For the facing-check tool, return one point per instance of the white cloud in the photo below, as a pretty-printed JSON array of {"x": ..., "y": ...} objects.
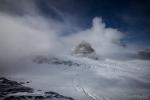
[
  {"x": 23, "y": 36},
  {"x": 19, "y": 38},
  {"x": 104, "y": 40},
  {"x": 26, "y": 35}
]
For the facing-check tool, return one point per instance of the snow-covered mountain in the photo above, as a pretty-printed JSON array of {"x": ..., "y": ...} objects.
[{"x": 83, "y": 78}]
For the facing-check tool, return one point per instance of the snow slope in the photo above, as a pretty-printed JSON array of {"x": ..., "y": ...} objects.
[{"x": 87, "y": 79}]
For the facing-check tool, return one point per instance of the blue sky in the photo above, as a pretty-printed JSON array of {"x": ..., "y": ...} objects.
[{"x": 129, "y": 16}]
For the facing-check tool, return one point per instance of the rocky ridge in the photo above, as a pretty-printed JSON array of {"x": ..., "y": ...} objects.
[{"x": 12, "y": 90}]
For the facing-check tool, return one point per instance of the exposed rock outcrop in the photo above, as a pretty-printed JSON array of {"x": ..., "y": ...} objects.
[
  {"x": 84, "y": 49},
  {"x": 12, "y": 90},
  {"x": 54, "y": 60},
  {"x": 8, "y": 86}
]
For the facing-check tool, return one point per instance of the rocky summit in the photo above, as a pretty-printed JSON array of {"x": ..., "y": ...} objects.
[{"x": 84, "y": 49}]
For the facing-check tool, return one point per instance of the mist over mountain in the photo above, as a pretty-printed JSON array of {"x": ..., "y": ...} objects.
[{"x": 74, "y": 50}]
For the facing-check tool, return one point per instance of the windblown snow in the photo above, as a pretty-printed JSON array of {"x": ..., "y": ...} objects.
[{"x": 87, "y": 79}]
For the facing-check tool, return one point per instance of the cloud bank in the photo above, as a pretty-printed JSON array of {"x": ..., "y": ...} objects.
[
  {"x": 104, "y": 40},
  {"x": 31, "y": 33},
  {"x": 26, "y": 35}
]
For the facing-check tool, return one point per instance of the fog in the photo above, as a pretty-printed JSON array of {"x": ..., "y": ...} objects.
[
  {"x": 33, "y": 34},
  {"x": 25, "y": 33}
]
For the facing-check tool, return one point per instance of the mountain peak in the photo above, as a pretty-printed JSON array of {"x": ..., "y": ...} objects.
[{"x": 84, "y": 49}]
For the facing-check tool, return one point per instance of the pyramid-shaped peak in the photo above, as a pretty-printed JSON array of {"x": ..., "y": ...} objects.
[
  {"x": 84, "y": 49},
  {"x": 83, "y": 43}
]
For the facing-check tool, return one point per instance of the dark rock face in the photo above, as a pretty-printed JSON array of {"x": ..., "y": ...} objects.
[
  {"x": 54, "y": 60},
  {"x": 45, "y": 96},
  {"x": 12, "y": 90},
  {"x": 56, "y": 95},
  {"x": 8, "y": 86},
  {"x": 84, "y": 49}
]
